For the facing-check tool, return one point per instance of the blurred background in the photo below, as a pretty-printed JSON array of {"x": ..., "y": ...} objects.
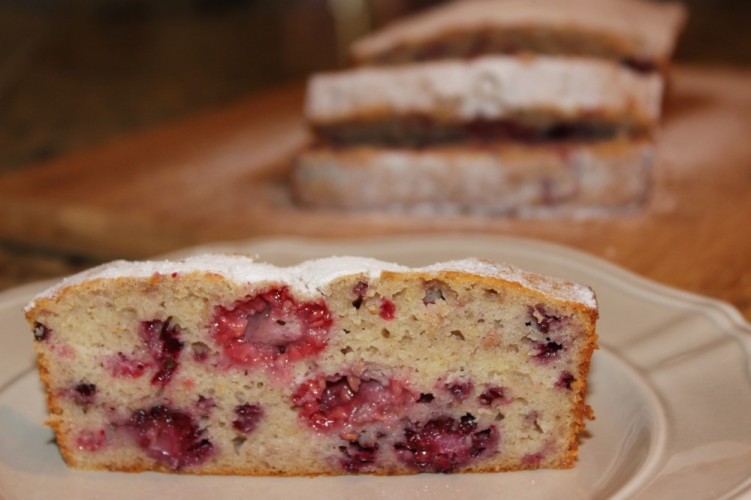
[{"x": 77, "y": 73}]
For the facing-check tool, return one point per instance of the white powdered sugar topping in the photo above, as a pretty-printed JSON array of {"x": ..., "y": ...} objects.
[
  {"x": 486, "y": 88},
  {"x": 554, "y": 287},
  {"x": 308, "y": 277}
]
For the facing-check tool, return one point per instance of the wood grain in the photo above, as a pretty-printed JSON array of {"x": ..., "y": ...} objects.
[{"x": 222, "y": 176}]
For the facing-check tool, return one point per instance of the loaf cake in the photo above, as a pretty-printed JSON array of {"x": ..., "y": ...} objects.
[
  {"x": 489, "y": 98},
  {"x": 573, "y": 178},
  {"x": 217, "y": 364},
  {"x": 638, "y": 34},
  {"x": 517, "y": 107},
  {"x": 495, "y": 135}
]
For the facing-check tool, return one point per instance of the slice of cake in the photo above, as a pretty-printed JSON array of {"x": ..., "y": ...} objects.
[
  {"x": 488, "y": 98},
  {"x": 220, "y": 365},
  {"x": 574, "y": 178},
  {"x": 639, "y": 34},
  {"x": 462, "y": 106},
  {"x": 495, "y": 135}
]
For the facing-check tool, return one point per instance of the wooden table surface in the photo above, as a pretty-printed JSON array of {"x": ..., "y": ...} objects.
[{"x": 222, "y": 176}]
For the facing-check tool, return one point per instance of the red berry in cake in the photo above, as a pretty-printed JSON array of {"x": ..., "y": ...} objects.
[
  {"x": 121, "y": 365},
  {"x": 271, "y": 329},
  {"x": 200, "y": 351},
  {"x": 169, "y": 436},
  {"x": 565, "y": 380},
  {"x": 161, "y": 338},
  {"x": 542, "y": 318},
  {"x": 492, "y": 395},
  {"x": 388, "y": 309},
  {"x": 445, "y": 444},
  {"x": 204, "y": 405},
  {"x": 91, "y": 440},
  {"x": 532, "y": 460},
  {"x": 359, "y": 291},
  {"x": 459, "y": 390},
  {"x": 333, "y": 403},
  {"x": 41, "y": 332},
  {"x": 358, "y": 457},
  {"x": 248, "y": 417}
]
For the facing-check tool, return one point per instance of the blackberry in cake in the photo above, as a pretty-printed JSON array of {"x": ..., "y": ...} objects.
[{"x": 218, "y": 364}]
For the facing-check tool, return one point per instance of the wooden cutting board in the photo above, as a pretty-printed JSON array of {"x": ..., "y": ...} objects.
[{"x": 222, "y": 176}]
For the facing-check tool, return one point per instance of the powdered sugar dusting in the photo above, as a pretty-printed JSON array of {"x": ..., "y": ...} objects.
[
  {"x": 308, "y": 277},
  {"x": 560, "y": 289},
  {"x": 487, "y": 88}
]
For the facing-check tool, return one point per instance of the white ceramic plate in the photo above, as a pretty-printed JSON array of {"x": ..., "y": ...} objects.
[{"x": 671, "y": 387}]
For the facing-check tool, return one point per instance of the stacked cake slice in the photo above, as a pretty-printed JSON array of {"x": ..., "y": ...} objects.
[{"x": 499, "y": 106}]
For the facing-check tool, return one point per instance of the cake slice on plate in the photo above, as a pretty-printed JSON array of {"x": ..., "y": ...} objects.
[{"x": 217, "y": 364}]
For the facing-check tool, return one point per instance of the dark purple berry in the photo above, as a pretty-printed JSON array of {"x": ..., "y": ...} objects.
[
  {"x": 84, "y": 394},
  {"x": 425, "y": 397},
  {"x": 359, "y": 291},
  {"x": 565, "y": 380},
  {"x": 445, "y": 444},
  {"x": 542, "y": 318},
  {"x": 547, "y": 350},
  {"x": 41, "y": 332},
  {"x": 357, "y": 456},
  {"x": 248, "y": 417},
  {"x": 490, "y": 395},
  {"x": 169, "y": 436},
  {"x": 162, "y": 340}
]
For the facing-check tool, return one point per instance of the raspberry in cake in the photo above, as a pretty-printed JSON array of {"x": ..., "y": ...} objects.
[{"x": 217, "y": 364}]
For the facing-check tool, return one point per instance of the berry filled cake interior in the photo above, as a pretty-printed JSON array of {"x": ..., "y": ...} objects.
[{"x": 217, "y": 364}]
